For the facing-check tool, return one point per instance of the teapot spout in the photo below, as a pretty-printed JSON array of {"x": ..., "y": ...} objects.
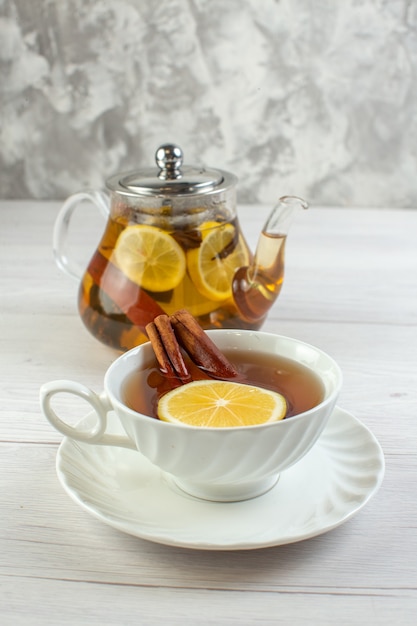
[{"x": 257, "y": 286}]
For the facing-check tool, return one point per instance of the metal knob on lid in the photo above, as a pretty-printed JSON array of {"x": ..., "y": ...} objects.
[{"x": 168, "y": 158}]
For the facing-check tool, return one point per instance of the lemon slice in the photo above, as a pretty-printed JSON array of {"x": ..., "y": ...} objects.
[
  {"x": 221, "y": 404},
  {"x": 150, "y": 257},
  {"x": 211, "y": 272}
]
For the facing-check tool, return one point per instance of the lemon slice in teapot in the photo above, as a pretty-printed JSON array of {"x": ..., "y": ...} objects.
[
  {"x": 150, "y": 257},
  {"x": 213, "y": 264}
]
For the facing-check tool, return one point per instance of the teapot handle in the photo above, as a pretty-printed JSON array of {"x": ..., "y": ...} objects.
[{"x": 60, "y": 234}]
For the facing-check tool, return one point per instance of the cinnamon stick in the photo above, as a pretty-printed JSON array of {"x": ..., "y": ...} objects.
[
  {"x": 163, "y": 325},
  {"x": 166, "y": 348},
  {"x": 201, "y": 349},
  {"x": 138, "y": 306}
]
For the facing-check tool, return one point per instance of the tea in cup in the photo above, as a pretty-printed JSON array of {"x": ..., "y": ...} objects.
[{"x": 219, "y": 464}]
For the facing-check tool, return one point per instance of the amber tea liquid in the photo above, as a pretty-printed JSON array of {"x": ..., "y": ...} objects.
[
  {"x": 301, "y": 387},
  {"x": 255, "y": 289}
]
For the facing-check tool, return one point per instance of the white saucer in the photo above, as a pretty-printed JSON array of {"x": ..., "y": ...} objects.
[{"x": 323, "y": 490}]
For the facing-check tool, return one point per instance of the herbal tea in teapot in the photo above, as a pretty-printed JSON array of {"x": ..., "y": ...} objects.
[
  {"x": 140, "y": 271},
  {"x": 173, "y": 241}
]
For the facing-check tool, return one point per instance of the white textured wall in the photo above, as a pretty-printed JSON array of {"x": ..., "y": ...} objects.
[{"x": 314, "y": 97}]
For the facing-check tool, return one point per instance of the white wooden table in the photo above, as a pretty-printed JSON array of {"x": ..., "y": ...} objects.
[{"x": 351, "y": 288}]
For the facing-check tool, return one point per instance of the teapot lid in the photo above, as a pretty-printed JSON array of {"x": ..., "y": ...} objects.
[{"x": 170, "y": 178}]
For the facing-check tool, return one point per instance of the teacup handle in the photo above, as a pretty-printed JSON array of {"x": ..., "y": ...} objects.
[
  {"x": 96, "y": 434},
  {"x": 62, "y": 222}
]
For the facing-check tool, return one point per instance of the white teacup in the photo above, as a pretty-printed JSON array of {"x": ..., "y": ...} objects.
[{"x": 222, "y": 464}]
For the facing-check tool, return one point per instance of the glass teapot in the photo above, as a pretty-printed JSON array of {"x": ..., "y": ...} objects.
[{"x": 172, "y": 241}]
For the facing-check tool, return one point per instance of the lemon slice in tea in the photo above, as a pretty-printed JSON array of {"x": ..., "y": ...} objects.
[
  {"x": 150, "y": 257},
  {"x": 221, "y": 404},
  {"x": 210, "y": 266}
]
